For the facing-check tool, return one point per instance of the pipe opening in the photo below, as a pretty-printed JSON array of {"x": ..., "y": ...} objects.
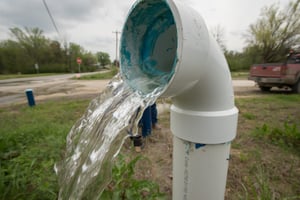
[{"x": 148, "y": 46}]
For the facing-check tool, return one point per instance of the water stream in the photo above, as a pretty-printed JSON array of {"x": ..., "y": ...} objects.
[{"x": 97, "y": 137}]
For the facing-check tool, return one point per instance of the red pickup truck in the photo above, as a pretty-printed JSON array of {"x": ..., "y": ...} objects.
[{"x": 278, "y": 74}]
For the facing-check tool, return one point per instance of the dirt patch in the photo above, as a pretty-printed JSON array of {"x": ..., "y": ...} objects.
[{"x": 157, "y": 150}]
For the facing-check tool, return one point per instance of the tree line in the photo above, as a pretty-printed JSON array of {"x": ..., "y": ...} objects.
[
  {"x": 29, "y": 51},
  {"x": 268, "y": 40}
]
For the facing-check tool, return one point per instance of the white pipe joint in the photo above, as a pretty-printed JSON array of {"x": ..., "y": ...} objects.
[{"x": 167, "y": 45}]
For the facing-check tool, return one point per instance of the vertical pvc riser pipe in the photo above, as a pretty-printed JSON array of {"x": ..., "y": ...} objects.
[{"x": 165, "y": 37}]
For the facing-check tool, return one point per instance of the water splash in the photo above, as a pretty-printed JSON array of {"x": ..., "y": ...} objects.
[{"x": 97, "y": 137}]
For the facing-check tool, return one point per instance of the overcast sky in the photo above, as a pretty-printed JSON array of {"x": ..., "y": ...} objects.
[{"x": 91, "y": 23}]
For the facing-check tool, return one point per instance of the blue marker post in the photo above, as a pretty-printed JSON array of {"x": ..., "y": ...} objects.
[{"x": 30, "y": 97}]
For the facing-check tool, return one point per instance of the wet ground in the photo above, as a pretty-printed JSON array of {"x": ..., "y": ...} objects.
[{"x": 12, "y": 91}]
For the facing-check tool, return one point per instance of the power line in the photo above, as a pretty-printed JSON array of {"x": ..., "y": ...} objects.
[
  {"x": 52, "y": 19},
  {"x": 59, "y": 35}
]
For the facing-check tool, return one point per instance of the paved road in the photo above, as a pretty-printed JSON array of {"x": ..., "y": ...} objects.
[
  {"x": 12, "y": 91},
  {"x": 39, "y": 78},
  {"x": 243, "y": 83}
]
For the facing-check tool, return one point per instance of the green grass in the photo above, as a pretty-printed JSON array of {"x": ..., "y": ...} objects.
[
  {"x": 240, "y": 75},
  {"x": 265, "y": 159},
  {"x": 285, "y": 129},
  {"x": 31, "y": 141},
  {"x": 10, "y": 76},
  {"x": 99, "y": 76},
  {"x": 264, "y": 163}
]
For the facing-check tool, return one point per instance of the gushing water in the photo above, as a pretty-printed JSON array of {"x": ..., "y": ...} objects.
[{"x": 97, "y": 137}]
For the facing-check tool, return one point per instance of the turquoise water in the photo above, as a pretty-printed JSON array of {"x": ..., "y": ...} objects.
[
  {"x": 97, "y": 137},
  {"x": 148, "y": 45}
]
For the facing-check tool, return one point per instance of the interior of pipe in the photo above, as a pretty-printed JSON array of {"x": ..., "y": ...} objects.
[{"x": 148, "y": 49}]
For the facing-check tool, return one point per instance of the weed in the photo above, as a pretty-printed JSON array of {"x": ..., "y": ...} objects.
[
  {"x": 287, "y": 136},
  {"x": 256, "y": 154},
  {"x": 249, "y": 116},
  {"x": 261, "y": 187},
  {"x": 243, "y": 157},
  {"x": 236, "y": 145},
  {"x": 125, "y": 186}
]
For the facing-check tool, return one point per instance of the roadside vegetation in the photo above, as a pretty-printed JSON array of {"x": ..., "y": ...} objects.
[
  {"x": 9, "y": 76},
  {"x": 29, "y": 51},
  {"x": 99, "y": 76},
  {"x": 264, "y": 164}
]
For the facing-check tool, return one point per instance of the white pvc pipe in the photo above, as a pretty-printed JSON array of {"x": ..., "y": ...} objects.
[{"x": 168, "y": 42}]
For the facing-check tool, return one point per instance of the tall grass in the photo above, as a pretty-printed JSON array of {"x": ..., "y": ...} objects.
[{"x": 31, "y": 141}]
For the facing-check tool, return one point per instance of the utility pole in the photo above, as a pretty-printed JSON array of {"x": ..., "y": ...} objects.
[{"x": 117, "y": 40}]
